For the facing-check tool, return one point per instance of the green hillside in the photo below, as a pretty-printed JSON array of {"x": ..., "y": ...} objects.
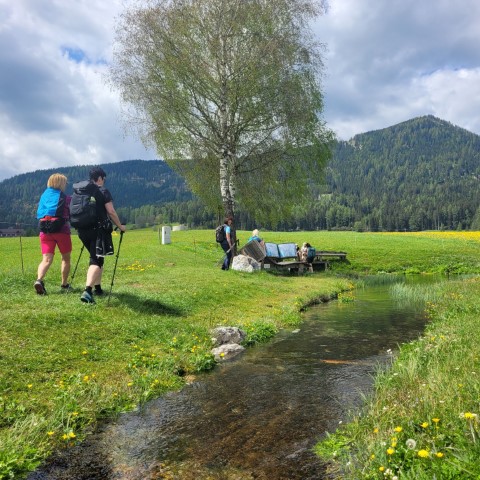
[
  {"x": 417, "y": 175},
  {"x": 421, "y": 174}
]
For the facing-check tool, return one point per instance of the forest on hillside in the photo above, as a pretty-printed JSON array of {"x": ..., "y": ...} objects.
[{"x": 422, "y": 174}]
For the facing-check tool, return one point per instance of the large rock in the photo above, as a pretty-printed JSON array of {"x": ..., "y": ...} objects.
[
  {"x": 227, "y": 351},
  {"x": 226, "y": 335},
  {"x": 242, "y": 263}
]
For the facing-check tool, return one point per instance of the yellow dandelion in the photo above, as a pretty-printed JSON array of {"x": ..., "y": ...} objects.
[
  {"x": 424, "y": 425},
  {"x": 65, "y": 436},
  {"x": 375, "y": 430},
  {"x": 86, "y": 378},
  {"x": 222, "y": 354},
  {"x": 50, "y": 433},
  {"x": 423, "y": 453},
  {"x": 29, "y": 385},
  {"x": 129, "y": 384},
  {"x": 390, "y": 451},
  {"x": 372, "y": 456},
  {"x": 381, "y": 468},
  {"x": 435, "y": 420},
  {"x": 71, "y": 435},
  {"x": 439, "y": 454},
  {"x": 398, "y": 429},
  {"x": 74, "y": 414},
  {"x": 469, "y": 415},
  {"x": 84, "y": 352}
]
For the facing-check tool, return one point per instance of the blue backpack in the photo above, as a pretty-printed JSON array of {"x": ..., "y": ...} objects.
[{"x": 50, "y": 210}]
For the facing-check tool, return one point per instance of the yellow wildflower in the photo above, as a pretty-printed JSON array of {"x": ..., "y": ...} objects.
[
  {"x": 390, "y": 451},
  {"x": 398, "y": 429},
  {"x": 381, "y": 468},
  {"x": 439, "y": 454},
  {"x": 435, "y": 420},
  {"x": 50, "y": 433},
  {"x": 423, "y": 453},
  {"x": 375, "y": 430},
  {"x": 424, "y": 425},
  {"x": 71, "y": 435}
]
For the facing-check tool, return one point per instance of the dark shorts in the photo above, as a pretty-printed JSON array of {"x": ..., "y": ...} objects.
[{"x": 89, "y": 239}]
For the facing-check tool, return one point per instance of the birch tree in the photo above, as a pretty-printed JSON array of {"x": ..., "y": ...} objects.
[{"x": 229, "y": 94}]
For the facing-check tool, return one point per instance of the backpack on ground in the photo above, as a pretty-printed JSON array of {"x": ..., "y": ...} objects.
[
  {"x": 220, "y": 234},
  {"x": 83, "y": 207},
  {"x": 50, "y": 211}
]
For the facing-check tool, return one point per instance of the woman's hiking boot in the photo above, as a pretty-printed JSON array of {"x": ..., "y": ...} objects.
[{"x": 40, "y": 287}]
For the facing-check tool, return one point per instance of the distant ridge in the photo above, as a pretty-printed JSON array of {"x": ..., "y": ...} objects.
[{"x": 419, "y": 174}]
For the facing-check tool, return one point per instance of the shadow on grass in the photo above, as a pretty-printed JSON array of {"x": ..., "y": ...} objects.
[{"x": 146, "y": 305}]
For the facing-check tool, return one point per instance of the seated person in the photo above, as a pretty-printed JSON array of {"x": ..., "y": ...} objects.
[
  {"x": 255, "y": 236},
  {"x": 307, "y": 253}
]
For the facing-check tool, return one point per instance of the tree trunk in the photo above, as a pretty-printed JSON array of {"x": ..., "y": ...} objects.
[{"x": 227, "y": 189}]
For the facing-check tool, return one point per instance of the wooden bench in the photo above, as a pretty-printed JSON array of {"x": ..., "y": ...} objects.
[
  {"x": 322, "y": 257},
  {"x": 283, "y": 256}
]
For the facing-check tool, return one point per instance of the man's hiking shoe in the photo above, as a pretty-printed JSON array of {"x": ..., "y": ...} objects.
[
  {"x": 65, "y": 288},
  {"x": 98, "y": 291},
  {"x": 87, "y": 297},
  {"x": 40, "y": 287}
]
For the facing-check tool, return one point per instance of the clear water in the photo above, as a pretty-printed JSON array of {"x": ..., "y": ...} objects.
[{"x": 259, "y": 416}]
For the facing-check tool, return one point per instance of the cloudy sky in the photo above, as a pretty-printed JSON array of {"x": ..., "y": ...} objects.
[{"x": 387, "y": 61}]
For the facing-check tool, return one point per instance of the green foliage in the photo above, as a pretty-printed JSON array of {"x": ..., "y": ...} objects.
[
  {"x": 418, "y": 175},
  {"x": 64, "y": 364},
  {"x": 258, "y": 332}
]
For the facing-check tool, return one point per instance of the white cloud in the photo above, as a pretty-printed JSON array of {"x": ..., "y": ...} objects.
[
  {"x": 384, "y": 60},
  {"x": 387, "y": 61},
  {"x": 54, "y": 109}
]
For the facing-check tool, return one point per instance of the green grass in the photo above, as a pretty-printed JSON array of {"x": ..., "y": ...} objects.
[{"x": 64, "y": 364}]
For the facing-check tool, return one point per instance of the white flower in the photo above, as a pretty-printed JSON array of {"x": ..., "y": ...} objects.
[{"x": 411, "y": 443}]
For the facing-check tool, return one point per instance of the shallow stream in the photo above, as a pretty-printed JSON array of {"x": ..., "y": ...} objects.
[{"x": 259, "y": 416}]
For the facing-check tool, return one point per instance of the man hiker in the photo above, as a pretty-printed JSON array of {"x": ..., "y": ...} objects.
[{"x": 97, "y": 238}]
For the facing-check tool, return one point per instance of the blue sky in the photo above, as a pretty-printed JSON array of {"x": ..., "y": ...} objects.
[{"x": 386, "y": 61}]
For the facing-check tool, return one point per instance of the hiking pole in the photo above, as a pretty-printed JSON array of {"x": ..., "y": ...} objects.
[
  {"x": 75, "y": 269},
  {"x": 21, "y": 254},
  {"x": 115, "y": 267}
]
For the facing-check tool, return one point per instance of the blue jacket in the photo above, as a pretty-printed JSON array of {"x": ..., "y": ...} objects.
[{"x": 50, "y": 202}]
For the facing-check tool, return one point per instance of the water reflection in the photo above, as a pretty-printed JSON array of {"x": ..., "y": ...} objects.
[{"x": 258, "y": 417}]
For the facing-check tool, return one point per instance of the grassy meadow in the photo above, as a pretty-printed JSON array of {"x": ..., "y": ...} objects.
[{"x": 65, "y": 364}]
